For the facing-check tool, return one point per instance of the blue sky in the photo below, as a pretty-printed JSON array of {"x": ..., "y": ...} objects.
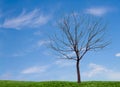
[{"x": 24, "y": 29}]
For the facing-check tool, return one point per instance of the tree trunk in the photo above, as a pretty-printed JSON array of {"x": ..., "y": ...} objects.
[{"x": 78, "y": 72}]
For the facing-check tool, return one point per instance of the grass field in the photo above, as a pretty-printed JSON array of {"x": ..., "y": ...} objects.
[{"x": 59, "y": 84}]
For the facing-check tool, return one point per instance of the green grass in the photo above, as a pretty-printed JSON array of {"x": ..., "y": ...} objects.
[{"x": 59, "y": 84}]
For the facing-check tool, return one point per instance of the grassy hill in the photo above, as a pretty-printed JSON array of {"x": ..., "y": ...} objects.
[{"x": 58, "y": 84}]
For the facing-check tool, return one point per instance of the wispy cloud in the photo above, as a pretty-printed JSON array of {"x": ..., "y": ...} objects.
[
  {"x": 97, "y": 11},
  {"x": 31, "y": 48},
  {"x": 99, "y": 70},
  {"x": 63, "y": 63},
  {"x": 95, "y": 70},
  {"x": 34, "y": 69},
  {"x": 117, "y": 55},
  {"x": 6, "y": 76},
  {"x": 42, "y": 42},
  {"x": 26, "y": 19}
]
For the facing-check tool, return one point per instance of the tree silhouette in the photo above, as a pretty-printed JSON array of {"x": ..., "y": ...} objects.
[{"x": 78, "y": 35}]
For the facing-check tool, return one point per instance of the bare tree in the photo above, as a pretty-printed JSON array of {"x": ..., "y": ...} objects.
[{"x": 78, "y": 35}]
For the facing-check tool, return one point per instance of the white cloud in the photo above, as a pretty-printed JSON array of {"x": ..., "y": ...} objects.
[
  {"x": 35, "y": 69},
  {"x": 72, "y": 54},
  {"x": 114, "y": 76},
  {"x": 95, "y": 70},
  {"x": 64, "y": 63},
  {"x": 99, "y": 70},
  {"x": 42, "y": 42},
  {"x": 117, "y": 55},
  {"x": 31, "y": 19},
  {"x": 98, "y": 11},
  {"x": 69, "y": 54},
  {"x": 31, "y": 48},
  {"x": 6, "y": 76}
]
